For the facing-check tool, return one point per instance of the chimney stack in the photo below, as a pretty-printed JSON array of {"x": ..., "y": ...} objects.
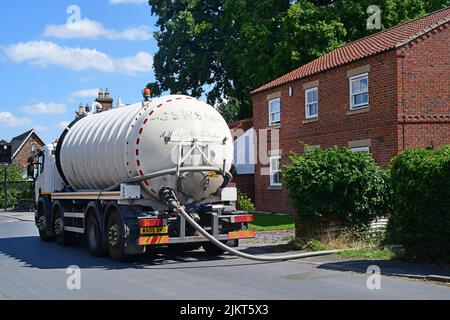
[{"x": 104, "y": 98}]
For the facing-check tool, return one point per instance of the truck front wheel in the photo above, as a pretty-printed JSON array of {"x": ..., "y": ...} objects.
[
  {"x": 115, "y": 235},
  {"x": 41, "y": 224}
]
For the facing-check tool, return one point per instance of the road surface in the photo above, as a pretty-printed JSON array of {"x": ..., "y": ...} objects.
[{"x": 31, "y": 269}]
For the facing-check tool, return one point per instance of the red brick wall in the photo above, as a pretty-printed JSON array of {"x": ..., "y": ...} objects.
[
  {"x": 246, "y": 184},
  {"x": 25, "y": 152},
  {"x": 424, "y": 91},
  {"x": 335, "y": 126}
]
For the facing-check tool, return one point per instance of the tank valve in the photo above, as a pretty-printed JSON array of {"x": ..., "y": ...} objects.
[{"x": 169, "y": 198}]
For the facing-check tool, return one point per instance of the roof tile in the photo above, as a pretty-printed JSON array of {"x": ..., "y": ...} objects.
[{"x": 365, "y": 47}]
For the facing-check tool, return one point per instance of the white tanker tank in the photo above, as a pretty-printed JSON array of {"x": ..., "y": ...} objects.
[{"x": 173, "y": 133}]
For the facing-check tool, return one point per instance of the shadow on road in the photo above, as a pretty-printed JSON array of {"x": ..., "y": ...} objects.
[
  {"x": 388, "y": 267},
  {"x": 49, "y": 255}
]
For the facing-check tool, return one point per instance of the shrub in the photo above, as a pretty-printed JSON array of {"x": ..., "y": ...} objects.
[
  {"x": 335, "y": 185},
  {"x": 421, "y": 194},
  {"x": 245, "y": 203}
]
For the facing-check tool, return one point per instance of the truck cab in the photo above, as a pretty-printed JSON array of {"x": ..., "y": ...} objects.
[{"x": 43, "y": 170}]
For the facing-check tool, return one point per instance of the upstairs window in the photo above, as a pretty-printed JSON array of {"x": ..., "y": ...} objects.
[
  {"x": 274, "y": 112},
  {"x": 359, "y": 91},
  {"x": 312, "y": 103}
]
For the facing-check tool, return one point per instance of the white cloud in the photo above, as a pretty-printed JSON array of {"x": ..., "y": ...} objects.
[
  {"x": 40, "y": 128},
  {"x": 88, "y": 93},
  {"x": 44, "y": 108},
  {"x": 141, "y": 62},
  {"x": 63, "y": 124},
  {"x": 113, "y": 2},
  {"x": 92, "y": 29},
  {"x": 87, "y": 79},
  {"x": 44, "y": 53},
  {"x": 8, "y": 120}
]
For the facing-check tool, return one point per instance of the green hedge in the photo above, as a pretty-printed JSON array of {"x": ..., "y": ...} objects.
[
  {"x": 335, "y": 185},
  {"x": 421, "y": 193}
]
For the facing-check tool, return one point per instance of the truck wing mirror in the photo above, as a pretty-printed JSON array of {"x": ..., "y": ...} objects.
[{"x": 30, "y": 171}]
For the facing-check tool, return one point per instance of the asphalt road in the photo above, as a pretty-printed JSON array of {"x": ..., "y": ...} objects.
[{"x": 31, "y": 269}]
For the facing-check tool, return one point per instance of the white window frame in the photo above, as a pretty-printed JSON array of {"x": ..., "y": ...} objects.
[
  {"x": 360, "y": 149},
  {"x": 271, "y": 123},
  {"x": 307, "y": 104},
  {"x": 363, "y": 105},
  {"x": 272, "y": 171}
]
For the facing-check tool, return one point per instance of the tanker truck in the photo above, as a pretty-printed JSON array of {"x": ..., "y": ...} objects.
[{"x": 107, "y": 176}]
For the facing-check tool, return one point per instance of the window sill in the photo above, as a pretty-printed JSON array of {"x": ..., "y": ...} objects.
[
  {"x": 311, "y": 120},
  {"x": 358, "y": 111},
  {"x": 275, "y": 126},
  {"x": 275, "y": 188}
]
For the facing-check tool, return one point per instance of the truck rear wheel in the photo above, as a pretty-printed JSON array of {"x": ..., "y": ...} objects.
[
  {"x": 212, "y": 249},
  {"x": 115, "y": 234},
  {"x": 63, "y": 237},
  {"x": 93, "y": 235}
]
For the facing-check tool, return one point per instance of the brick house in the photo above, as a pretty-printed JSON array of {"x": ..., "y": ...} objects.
[
  {"x": 381, "y": 94},
  {"x": 23, "y": 147}
]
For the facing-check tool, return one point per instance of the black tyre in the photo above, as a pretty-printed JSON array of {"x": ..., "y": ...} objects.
[
  {"x": 212, "y": 249},
  {"x": 63, "y": 237},
  {"x": 115, "y": 237},
  {"x": 93, "y": 236},
  {"x": 41, "y": 225}
]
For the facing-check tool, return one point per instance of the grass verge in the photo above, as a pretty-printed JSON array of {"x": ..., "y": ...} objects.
[
  {"x": 358, "y": 250},
  {"x": 272, "y": 222}
]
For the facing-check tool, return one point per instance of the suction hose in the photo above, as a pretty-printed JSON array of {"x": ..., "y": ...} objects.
[{"x": 169, "y": 198}]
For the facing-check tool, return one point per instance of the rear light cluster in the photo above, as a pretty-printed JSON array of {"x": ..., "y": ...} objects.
[
  {"x": 242, "y": 218},
  {"x": 151, "y": 223}
]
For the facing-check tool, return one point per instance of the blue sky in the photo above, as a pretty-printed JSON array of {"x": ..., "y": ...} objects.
[{"x": 51, "y": 61}]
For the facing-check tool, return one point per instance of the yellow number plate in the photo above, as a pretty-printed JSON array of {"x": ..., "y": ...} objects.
[{"x": 154, "y": 230}]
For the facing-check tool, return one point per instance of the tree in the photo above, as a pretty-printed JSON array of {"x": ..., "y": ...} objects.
[
  {"x": 230, "y": 110},
  {"x": 227, "y": 48}
]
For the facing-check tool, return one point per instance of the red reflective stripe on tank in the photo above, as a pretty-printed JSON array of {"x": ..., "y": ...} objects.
[
  {"x": 138, "y": 163},
  {"x": 142, "y": 130},
  {"x": 141, "y": 173},
  {"x": 153, "y": 190},
  {"x": 179, "y": 98},
  {"x": 137, "y": 152},
  {"x": 146, "y": 183},
  {"x": 160, "y": 105},
  {"x": 168, "y": 101},
  {"x": 145, "y": 121},
  {"x": 151, "y": 113},
  {"x": 138, "y": 141}
]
